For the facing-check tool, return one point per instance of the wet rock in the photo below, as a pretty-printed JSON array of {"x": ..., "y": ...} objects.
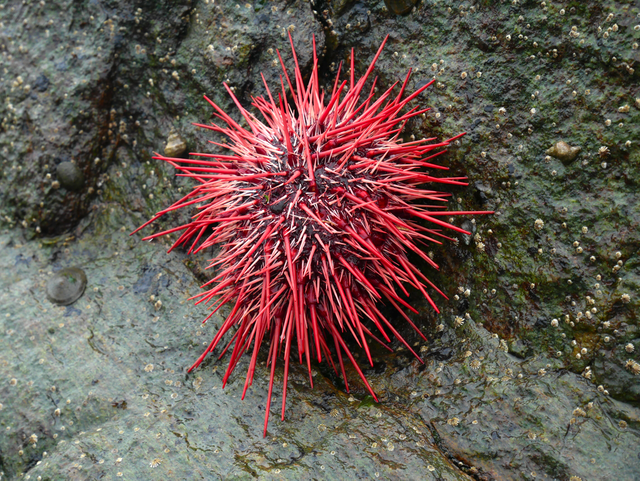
[
  {"x": 340, "y": 5},
  {"x": 68, "y": 96},
  {"x": 469, "y": 227},
  {"x": 41, "y": 84},
  {"x": 480, "y": 409},
  {"x": 70, "y": 176},
  {"x": 563, "y": 151},
  {"x": 66, "y": 286},
  {"x": 176, "y": 146},
  {"x": 256, "y": 34},
  {"x": 400, "y": 7},
  {"x": 483, "y": 192}
]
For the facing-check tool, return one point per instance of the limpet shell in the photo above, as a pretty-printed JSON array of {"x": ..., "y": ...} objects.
[
  {"x": 70, "y": 176},
  {"x": 66, "y": 286}
]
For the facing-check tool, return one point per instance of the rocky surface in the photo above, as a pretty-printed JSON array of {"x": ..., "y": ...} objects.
[{"x": 532, "y": 368}]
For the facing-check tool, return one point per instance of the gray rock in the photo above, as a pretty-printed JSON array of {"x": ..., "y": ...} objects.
[
  {"x": 400, "y": 7},
  {"x": 102, "y": 383}
]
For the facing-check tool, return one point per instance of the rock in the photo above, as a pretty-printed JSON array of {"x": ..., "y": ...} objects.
[
  {"x": 472, "y": 411},
  {"x": 42, "y": 83},
  {"x": 469, "y": 227},
  {"x": 400, "y": 7}
]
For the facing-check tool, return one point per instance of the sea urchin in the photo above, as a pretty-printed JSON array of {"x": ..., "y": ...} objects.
[{"x": 314, "y": 211}]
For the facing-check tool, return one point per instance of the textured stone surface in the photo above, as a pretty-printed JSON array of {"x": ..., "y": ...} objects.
[{"x": 531, "y": 375}]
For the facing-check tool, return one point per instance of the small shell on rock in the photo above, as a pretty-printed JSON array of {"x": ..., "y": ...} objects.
[
  {"x": 66, "y": 286},
  {"x": 176, "y": 146},
  {"x": 563, "y": 151},
  {"x": 70, "y": 176}
]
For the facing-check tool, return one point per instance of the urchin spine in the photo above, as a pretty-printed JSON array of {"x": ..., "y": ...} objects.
[{"x": 315, "y": 210}]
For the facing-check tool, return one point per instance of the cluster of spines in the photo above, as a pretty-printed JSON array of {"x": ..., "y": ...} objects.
[{"x": 314, "y": 212}]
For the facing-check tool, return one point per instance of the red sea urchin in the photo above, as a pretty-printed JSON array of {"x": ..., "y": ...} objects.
[{"x": 314, "y": 211}]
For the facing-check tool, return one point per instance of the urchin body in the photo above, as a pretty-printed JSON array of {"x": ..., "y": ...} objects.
[{"x": 314, "y": 210}]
